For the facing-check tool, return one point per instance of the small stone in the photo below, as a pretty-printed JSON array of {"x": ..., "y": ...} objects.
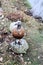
[
  {"x": 0, "y": 44},
  {"x": 25, "y": 63},
  {"x": 21, "y": 55},
  {"x": 13, "y": 53},
  {"x": 21, "y": 58},
  {"x": 3, "y": 20},
  {"x": 1, "y": 48},
  {"x": 9, "y": 48},
  {"x": 10, "y": 56},
  {"x": 38, "y": 57},
  {"x": 29, "y": 62},
  {"x": 28, "y": 59},
  {"x": 2, "y": 23},
  {"x": 1, "y": 59}
]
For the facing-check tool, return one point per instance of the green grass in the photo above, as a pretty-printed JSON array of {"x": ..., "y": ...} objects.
[
  {"x": 27, "y": 4},
  {"x": 36, "y": 36}
]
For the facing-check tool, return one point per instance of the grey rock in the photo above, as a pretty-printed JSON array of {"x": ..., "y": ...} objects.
[
  {"x": 20, "y": 48},
  {"x": 37, "y": 8}
]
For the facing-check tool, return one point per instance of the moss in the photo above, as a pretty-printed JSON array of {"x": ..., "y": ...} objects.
[
  {"x": 10, "y": 63},
  {"x": 36, "y": 37}
]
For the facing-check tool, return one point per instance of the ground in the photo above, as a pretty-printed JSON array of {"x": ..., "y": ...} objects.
[{"x": 33, "y": 35}]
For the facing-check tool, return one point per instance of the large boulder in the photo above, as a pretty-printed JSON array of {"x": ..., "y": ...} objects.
[{"x": 37, "y": 8}]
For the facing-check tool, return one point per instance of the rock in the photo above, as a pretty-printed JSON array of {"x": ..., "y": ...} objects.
[
  {"x": 25, "y": 63},
  {"x": 28, "y": 13},
  {"x": 1, "y": 59},
  {"x": 37, "y": 17},
  {"x": 20, "y": 48},
  {"x": 38, "y": 57},
  {"x": 28, "y": 59},
  {"x": 36, "y": 5},
  {"x": 1, "y": 39},
  {"x": 14, "y": 16},
  {"x": 0, "y": 4},
  {"x": 1, "y": 14},
  {"x": 29, "y": 63},
  {"x": 21, "y": 55}
]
